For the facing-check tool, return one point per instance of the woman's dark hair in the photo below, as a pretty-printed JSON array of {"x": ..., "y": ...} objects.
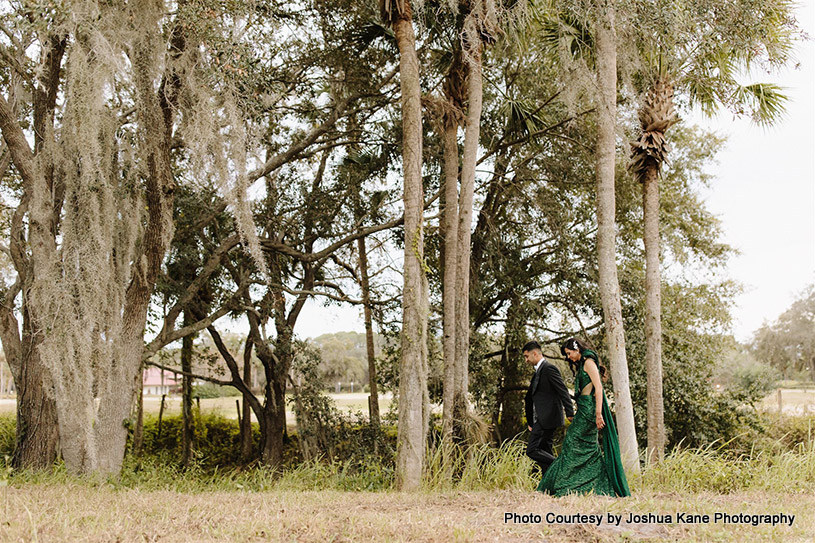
[{"x": 575, "y": 344}]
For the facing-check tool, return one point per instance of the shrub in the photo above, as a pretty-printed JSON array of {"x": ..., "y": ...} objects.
[
  {"x": 8, "y": 425},
  {"x": 211, "y": 390},
  {"x": 216, "y": 441}
]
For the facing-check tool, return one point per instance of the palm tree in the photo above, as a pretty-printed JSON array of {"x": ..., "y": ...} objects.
[
  {"x": 592, "y": 39},
  {"x": 413, "y": 399},
  {"x": 480, "y": 27},
  {"x": 476, "y": 24},
  {"x": 698, "y": 50},
  {"x": 605, "y": 42}
]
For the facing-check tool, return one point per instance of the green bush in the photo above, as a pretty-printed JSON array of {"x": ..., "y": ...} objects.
[
  {"x": 210, "y": 390},
  {"x": 8, "y": 425},
  {"x": 216, "y": 441}
]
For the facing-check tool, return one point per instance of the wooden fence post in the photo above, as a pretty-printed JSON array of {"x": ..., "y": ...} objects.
[{"x": 160, "y": 414}]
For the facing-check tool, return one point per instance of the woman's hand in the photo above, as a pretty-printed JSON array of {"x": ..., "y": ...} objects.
[{"x": 600, "y": 422}]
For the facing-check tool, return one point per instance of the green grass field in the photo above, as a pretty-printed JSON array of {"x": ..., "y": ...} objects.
[{"x": 347, "y": 402}]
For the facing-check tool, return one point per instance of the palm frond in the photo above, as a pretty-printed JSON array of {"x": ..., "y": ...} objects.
[
  {"x": 765, "y": 102},
  {"x": 522, "y": 120},
  {"x": 364, "y": 36},
  {"x": 570, "y": 31}
]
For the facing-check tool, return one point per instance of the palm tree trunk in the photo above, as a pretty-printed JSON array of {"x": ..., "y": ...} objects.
[
  {"x": 606, "y": 43},
  {"x": 512, "y": 371},
  {"x": 465, "y": 219},
  {"x": 449, "y": 228},
  {"x": 413, "y": 401},
  {"x": 653, "y": 317}
]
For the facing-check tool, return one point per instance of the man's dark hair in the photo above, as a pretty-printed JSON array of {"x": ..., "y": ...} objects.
[{"x": 532, "y": 346}]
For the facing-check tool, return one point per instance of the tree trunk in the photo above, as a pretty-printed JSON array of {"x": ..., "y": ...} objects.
[
  {"x": 138, "y": 429},
  {"x": 373, "y": 401},
  {"x": 449, "y": 233},
  {"x": 271, "y": 414},
  {"x": 246, "y": 420},
  {"x": 605, "y": 40},
  {"x": 37, "y": 440},
  {"x": 413, "y": 401},
  {"x": 512, "y": 407},
  {"x": 277, "y": 371},
  {"x": 37, "y": 430},
  {"x": 187, "y": 434},
  {"x": 653, "y": 316},
  {"x": 461, "y": 407},
  {"x": 272, "y": 454}
]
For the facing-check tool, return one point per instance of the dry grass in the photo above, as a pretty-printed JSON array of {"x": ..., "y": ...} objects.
[
  {"x": 794, "y": 401},
  {"x": 348, "y": 402},
  {"x": 80, "y": 512}
]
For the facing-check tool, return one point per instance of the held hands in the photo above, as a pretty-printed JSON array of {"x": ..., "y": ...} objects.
[{"x": 599, "y": 420}]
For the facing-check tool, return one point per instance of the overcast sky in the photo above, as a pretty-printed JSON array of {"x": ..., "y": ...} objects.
[{"x": 764, "y": 194}]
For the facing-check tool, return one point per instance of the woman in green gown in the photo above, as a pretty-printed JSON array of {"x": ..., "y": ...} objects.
[{"x": 587, "y": 464}]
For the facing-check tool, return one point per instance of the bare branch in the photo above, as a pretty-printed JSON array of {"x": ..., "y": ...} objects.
[
  {"x": 188, "y": 374},
  {"x": 339, "y": 108},
  {"x": 237, "y": 380}
]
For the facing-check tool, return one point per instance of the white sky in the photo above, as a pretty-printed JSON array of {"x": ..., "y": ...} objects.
[{"x": 763, "y": 192}]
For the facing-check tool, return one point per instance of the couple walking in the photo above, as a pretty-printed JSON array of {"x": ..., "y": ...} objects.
[{"x": 585, "y": 464}]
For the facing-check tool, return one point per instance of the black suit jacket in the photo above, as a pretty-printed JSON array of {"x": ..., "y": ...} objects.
[{"x": 547, "y": 398}]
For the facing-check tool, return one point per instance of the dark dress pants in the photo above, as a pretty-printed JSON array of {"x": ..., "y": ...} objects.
[{"x": 539, "y": 447}]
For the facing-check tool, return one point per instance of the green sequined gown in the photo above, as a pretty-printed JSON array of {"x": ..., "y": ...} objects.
[{"x": 587, "y": 464}]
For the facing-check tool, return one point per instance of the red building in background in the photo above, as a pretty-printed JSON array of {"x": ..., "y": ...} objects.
[{"x": 156, "y": 381}]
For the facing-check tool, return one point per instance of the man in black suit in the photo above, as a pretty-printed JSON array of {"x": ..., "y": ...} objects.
[{"x": 546, "y": 400}]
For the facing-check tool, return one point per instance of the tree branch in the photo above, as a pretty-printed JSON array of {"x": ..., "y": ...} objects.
[
  {"x": 166, "y": 337},
  {"x": 339, "y": 108},
  {"x": 209, "y": 268},
  {"x": 189, "y": 374},
  {"x": 21, "y": 153}
]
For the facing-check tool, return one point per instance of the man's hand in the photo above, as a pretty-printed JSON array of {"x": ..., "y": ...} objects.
[
  {"x": 530, "y": 428},
  {"x": 570, "y": 419}
]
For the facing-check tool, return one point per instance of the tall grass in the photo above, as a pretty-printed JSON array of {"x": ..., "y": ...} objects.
[
  {"x": 712, "y": 468},
  {"x": 785, "y": 465},
  {"x": 478, "y": 467}
]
